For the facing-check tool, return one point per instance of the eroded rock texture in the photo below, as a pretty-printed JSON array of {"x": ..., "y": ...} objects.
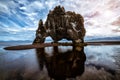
[{"x": 61, "y": 25}]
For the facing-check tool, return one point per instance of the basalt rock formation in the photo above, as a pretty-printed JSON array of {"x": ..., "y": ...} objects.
[{"x": 61, "y": 25}]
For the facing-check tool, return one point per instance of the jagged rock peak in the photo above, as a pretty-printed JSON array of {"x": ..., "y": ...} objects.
[{"x": 58, "y": 10}]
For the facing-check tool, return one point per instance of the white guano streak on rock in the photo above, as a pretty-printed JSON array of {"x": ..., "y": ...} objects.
[{"x": 73, "y": 26}]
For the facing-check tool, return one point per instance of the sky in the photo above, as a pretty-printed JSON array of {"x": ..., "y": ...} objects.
[{"x": 19, "y": 18}]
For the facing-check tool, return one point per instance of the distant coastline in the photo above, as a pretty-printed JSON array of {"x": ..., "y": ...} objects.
[{"x": 87, "y": 38}]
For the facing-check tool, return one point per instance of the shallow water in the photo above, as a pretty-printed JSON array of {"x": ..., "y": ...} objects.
[{"x": 70, "y": 63}]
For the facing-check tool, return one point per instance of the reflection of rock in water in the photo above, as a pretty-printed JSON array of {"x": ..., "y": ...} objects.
[
  {"x": 60, "y": 66},
  {"x": 15, "y": 75},
  {"x": 41, "y": 57}
]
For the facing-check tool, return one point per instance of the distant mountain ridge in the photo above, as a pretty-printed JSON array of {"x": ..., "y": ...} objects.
[
  {"x": 97, "y": 38},
  {"x": 87, "y": 38}
]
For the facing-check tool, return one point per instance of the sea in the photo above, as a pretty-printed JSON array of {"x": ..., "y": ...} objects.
[{"x": 92, "y": 62}]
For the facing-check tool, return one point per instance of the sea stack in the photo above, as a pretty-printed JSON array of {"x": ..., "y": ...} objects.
[{"x": 61, "y": 24}]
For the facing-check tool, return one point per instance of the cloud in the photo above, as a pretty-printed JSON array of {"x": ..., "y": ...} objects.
[
  {"x": 23, "y": 15},
  {"x": 4, "y": 8},
  {"x": 29, "y": 35}
]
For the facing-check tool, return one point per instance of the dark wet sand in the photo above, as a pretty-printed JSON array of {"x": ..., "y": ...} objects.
[
  {"x": 42, "y": 45},
  {"x": 104, "y": 43}
]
